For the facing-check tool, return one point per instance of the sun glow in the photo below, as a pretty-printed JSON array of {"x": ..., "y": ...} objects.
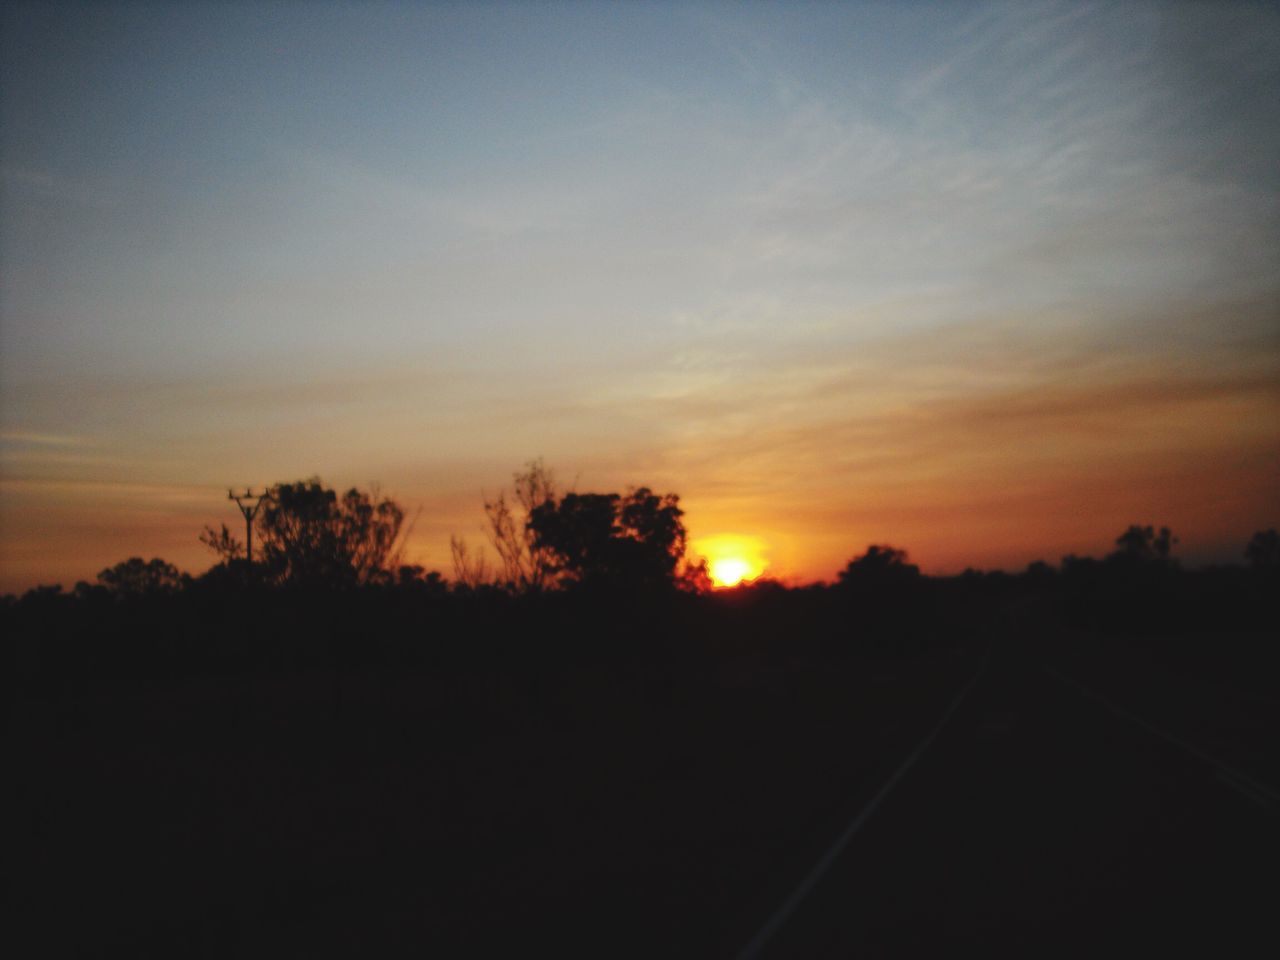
[
  {"x": 732, "y": 560},
  {"x": 729, "y": 571}
]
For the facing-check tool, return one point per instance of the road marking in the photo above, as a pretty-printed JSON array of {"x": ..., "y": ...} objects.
[
  {"x": 1244, "y": 789},
  {"x": 1238, "y": 780},
  {"x": 784, "y": 912}
]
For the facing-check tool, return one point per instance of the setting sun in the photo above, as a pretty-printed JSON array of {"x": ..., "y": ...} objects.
[
  {"x": 731, "y": 560},
  {"x": 729, "y": 571}
]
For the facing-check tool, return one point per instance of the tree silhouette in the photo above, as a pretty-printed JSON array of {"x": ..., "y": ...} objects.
[
  {"x": 1263, "y": 551},
  {"x": 525, "y": 564},
  {"x": 1144, "y": 545},
  {"x": 311, "y": 536},
  {"x": 879, "y": 565},
  {"x": 420, "y": 580},
  {"x": 470, "y": 570},
  {"x": 603, "y": 538},
  {"x": 695, "y": 576},
  {"x": 223, "y": 542},
  {"x": 136, "y": 577}
]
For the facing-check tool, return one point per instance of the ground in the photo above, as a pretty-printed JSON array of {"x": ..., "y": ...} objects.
[{"x": 1075, "y": 801}]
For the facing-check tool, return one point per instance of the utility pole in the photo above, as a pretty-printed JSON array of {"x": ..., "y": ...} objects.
[{"x": 248, "y": 502}]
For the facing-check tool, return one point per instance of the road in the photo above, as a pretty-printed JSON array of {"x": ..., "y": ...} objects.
[{"x": 1043, "y": 822}]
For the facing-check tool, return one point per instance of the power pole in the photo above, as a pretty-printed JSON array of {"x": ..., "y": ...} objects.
[{"x": 248, "y": 502}]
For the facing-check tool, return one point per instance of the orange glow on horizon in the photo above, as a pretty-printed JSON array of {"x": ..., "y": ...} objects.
[{"x": 732, "y": 560}]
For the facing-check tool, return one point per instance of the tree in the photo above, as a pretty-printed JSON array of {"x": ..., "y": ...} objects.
[
  {"x": 695, "y": 576},
  {"x": 879, "y": 565},
  {"x": 1263, "y": 551},
  {"x": 420, "y": 580},
  {"x": 470, "y": 570},
  {"x": 311, "y": 536},
  {"x": 1143, "y": 545},
  {"x": 603, "y": 538},
  {"x": 1039, "y": 572},
  {"x": 223, "y": 543},
  {"x": 136, "y": 577},
  {"x": 526, "y": 566}
]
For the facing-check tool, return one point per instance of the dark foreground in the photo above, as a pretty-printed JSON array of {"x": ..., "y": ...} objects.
[
  {"x": 1043, "y": 822},
  {"x": 644, "y": 795}
]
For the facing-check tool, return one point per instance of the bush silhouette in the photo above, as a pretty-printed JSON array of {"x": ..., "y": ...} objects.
[{"x": 310, "y": 536}]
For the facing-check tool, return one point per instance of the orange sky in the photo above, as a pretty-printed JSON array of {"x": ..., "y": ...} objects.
[{"x": 966, "y": 451}]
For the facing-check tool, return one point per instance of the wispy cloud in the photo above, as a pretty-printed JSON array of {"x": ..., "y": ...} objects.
[{"x": 24, "y": 438}]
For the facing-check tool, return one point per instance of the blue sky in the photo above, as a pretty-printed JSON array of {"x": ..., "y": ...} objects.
[{"x": 821, "y": 268}]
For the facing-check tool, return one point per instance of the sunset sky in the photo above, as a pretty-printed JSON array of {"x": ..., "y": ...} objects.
[{"x": 988, "y": 283}]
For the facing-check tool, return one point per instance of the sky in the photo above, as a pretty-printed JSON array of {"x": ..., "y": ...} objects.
[{"x": 985, "y": 282}]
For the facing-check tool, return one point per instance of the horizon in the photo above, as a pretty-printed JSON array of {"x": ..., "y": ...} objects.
[
  {"x": 988, "y": 282},
  {"x": 731, "y": 562}
]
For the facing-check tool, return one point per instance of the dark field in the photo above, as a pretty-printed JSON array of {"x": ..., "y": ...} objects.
[{"x": 381, "y": 775}]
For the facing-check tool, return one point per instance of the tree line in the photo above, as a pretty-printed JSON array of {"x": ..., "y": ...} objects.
[{"x": 309, "y": 536}]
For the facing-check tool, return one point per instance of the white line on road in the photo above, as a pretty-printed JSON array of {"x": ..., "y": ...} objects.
[
  {"x": 1239, "y": 781},
  {"x": 784, "y": 912},
  {"x": 1244, "y": 789}
]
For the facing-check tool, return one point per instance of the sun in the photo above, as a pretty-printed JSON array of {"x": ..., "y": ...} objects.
[
  {"x": 731, "y": 559},
  {"x": 729, "y": 571}
]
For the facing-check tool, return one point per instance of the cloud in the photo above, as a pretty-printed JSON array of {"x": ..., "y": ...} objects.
[{"x": 25, "y": 438}]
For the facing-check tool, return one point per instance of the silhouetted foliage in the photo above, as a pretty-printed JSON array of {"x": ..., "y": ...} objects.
[
  {"x": 886, "y": 600},
  {"x": 603, "y": 538},
  {"x": 1144, "y": 545},
  {"x": 1263, "y": 551},
  {"x": 136, "y": 577},
  {"x": 310, "y": 536},
  {"x": 418, "y": 580},
  {"x": 1039, "y": 572},
  {"x": 695, "y": 576},
  {"x": 223, "y": 543},
  {"x": 526, "y": 565},
  {"x": 470, "y": 568},
  {"x": 879, "y": 565},
  {"x": 43, "y": 592}
]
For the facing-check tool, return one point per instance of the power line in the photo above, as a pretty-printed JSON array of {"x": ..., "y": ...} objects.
[{"x": 248, "y": 502}]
